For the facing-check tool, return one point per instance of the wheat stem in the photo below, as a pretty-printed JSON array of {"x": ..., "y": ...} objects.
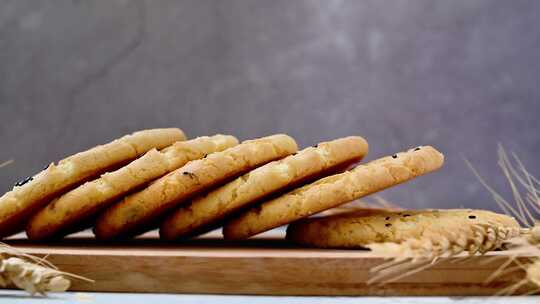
[
  {"x": 533, "y": 202},
  {"x": 12, "y": 251},
  {"x": 511, "y": 289},
  {"x": 409, "y": 272},
  {"x": 402, "y": 265},
  {"x": 503, "y": 271},
  {"x": 385, "y": 204}
]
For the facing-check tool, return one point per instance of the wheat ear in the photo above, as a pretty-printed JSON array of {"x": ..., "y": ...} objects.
[
  {"x": 524, "y": 207},
  {"x": 30, "y": 273},
  {"x": 31, "y": 277},
  {"x": 417, "y": 254}
]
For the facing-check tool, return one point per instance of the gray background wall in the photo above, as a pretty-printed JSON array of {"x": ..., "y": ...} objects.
[{"x": 461, "y": 75}]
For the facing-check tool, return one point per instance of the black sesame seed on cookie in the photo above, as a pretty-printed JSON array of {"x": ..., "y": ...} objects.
[
  {"x": 191, "y": 175},
  {"x": 24, "y": 181}
]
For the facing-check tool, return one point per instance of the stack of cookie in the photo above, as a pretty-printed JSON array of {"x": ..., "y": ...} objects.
[{"x": 158, "y": 178}]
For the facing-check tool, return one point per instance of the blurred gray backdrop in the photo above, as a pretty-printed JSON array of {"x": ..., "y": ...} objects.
[{"x": 459, "y": 75}]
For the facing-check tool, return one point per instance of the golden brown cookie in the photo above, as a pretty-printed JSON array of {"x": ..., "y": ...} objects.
[
  {"x": 362, "y": 227},
  {"x": 30, "y": 195},
  {"x": 74, "y": 209},
  {"x": 142, "y": 210},
  {"x": 208, "y": 210},
  {"x": 334, "y": 190}
]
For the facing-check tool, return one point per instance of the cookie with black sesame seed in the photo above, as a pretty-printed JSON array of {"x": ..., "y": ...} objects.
[
  {"x": 34, "y": 192},
  {"x": 207, "y": 211},
  {"x": 142, "y": 210},
  {"x": 356, "y": 229},
  {"x": 67, "y": 213},
  {"x": 333, "y": 191}
]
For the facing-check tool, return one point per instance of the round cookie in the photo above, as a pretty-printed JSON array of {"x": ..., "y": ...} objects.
[
  {"x": 333, "y": 191},
  {"x": 73, "y": 210},
  {"x": 31, "y": 194},
  {"x": 362, "y": 227},
  {"x": 142, "y": 210},
  {"x": 207, "y": 211}
]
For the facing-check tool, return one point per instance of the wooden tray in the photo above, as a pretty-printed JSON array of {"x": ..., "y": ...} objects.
[{"x": 266, "y": 265}]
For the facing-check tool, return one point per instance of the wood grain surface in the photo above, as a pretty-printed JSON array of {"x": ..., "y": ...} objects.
[{"x": 266, "y": 265}]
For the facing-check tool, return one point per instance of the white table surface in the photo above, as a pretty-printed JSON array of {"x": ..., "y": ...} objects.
[{"x": 14, "y": 296}]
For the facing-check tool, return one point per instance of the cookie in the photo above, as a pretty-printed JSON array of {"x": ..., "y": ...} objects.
[
  {"x": 362, "y": 227},
  {"x": 333, "y": 191},
  {"x": 142, "y": 210},
  {"x": 30, "y": 195},
  {"x": 207, "y": 211},
  {"x": 68, "y": 212}
]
